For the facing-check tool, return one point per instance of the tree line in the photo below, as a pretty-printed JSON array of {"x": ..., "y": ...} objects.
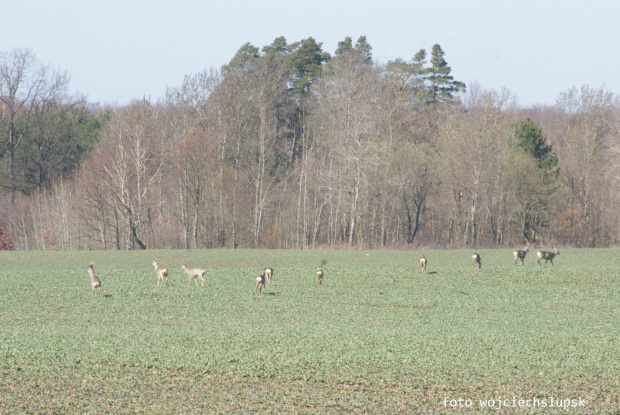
[{"x": 288, "y": 146}]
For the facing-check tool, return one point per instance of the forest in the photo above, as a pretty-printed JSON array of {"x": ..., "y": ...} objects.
[{"x": 290, "y": 146}]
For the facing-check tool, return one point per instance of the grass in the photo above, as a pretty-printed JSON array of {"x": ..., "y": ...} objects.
[{"x": 378, "y": 337}]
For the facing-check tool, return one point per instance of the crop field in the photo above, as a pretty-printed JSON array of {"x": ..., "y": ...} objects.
[{"x": 377, "y": 337}]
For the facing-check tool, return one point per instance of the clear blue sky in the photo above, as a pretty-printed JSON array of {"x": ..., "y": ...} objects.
[{"x": 119, "y": 50}]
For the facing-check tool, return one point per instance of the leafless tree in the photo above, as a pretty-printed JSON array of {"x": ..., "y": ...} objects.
[
  {"x": 349, "y": 111},
  {"x": 583, "y": 146},
  {"x": 472, "y": 155},
  {"x": 132, "y": 158},
  {"x": 192, "y": 125}
]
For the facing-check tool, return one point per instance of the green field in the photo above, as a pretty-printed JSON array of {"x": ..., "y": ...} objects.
[{"x": 378, "y": 337}]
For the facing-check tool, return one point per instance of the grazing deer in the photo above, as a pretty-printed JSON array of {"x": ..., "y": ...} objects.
[
  {"x": 319, "y": 276},
  {"x": 268, "y": 275},
  {"x": 260, "y": 283},
  {"x": 520, "y": 255},
  {"x": 194, "y": 273},
  {"x": 94, "y": 279},
  {"x": 423, "y": 263},
  {"x": 162, "y": 273},
  {"x": 475, "y": 259},
  {"x": 547, "y": 256}
]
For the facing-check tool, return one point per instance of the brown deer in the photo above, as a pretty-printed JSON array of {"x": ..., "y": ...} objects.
[
  {"x": 319, "y": 276},
  {"x": 194, "y": 273},
  {"x": 423, "y": 263},
  {"x": 260, "y": 283},
  {"x": 94, "y": 279},
  {"x": 162, "y": 273},
  {"x": 547, "y": 256},
  {"x": 520, "y": 255},
  {"x": 475, "y": 259},
  {"x": 268, "y": 275}
]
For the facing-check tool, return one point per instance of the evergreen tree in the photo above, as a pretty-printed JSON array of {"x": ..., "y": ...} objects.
[
  {"x": 344, "y": 47},
  {"x": 362, "y": 48},
  {"x": 417, "y": 82},
  {"x": 407, "y": 78},
  {"x": 278, "y": 46},
  {"x": 244, "y": 56},
  {"x": 536, "y": 188},
  {"x": 419, "y": 60},
  {"x": 442, "y": 85},
  {"x": 305, "y": 61},
  {"x": 529, "y": 138}
]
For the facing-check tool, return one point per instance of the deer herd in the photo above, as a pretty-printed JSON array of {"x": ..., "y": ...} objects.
[
  {"x": 519, "y": 256},
  {"x": 266, "y": 275}
]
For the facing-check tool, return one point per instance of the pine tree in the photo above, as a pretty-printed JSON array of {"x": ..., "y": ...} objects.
[
  {"x": 529, "y": 138},
  {"x": 442, "y": 85},
  {"x": 362, "y": 48},
  {"x": 407, "y": 78},
  {"x": 244, "y": 56},
  {"x": 305, "y": 61},
  {"x": 278, "y": 46},
  {"x": 344, "y": 47}
]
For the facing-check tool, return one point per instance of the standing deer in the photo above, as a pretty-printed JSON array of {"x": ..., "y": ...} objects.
[
  {"x": 475, "y": 259},
  {"x": 162, "y": 273},
  {"x": 194, "y": 273},
  {"x": 268, "y": 275},
  {"x": 520, "y": 255},
  {"x": 260, "y": 283},
  {"x": 547, "y": 256},
  {"x": 94, "y": 279},
  {"x": 423, "y": 263},
  {"x": 319, "y": 276}
]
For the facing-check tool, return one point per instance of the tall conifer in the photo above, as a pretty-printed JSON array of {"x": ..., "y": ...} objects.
[{"x": 442, "y": 85}]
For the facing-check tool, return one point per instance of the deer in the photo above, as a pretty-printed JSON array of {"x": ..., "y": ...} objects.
[
  {"x": 94, "y": 279},
  {"x": 194, "y": 273},
  {"x": 319, "y": 276},
  {"x": 162, "y": 273},
  {"x": 260, "y": 283},
  {"x": 423, "y": 263},
  {"x": 547, "y": 256},
  {"x": 520, "y": 255},
  {"x": 268, "y": 275},
  {"x": 475, "y": 259}
]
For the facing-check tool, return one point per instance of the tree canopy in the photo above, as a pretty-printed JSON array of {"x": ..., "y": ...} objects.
[
  {"x": 287, "y": 146},
  {"x": 529, "y": 137}
]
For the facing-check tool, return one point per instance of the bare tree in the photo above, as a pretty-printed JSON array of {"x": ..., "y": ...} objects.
[
  {"x": 471, "y": 146},
  {"x": 583, "y": 151},
  {"x": 198, "y": 164},
  {"x": 132, "y": 159},
  {"x": 349, "y": 110},
  {"x": 413, "y": 174},
  {"x": 193, "y": 126},
  {"x": 230, "y": 114}
]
